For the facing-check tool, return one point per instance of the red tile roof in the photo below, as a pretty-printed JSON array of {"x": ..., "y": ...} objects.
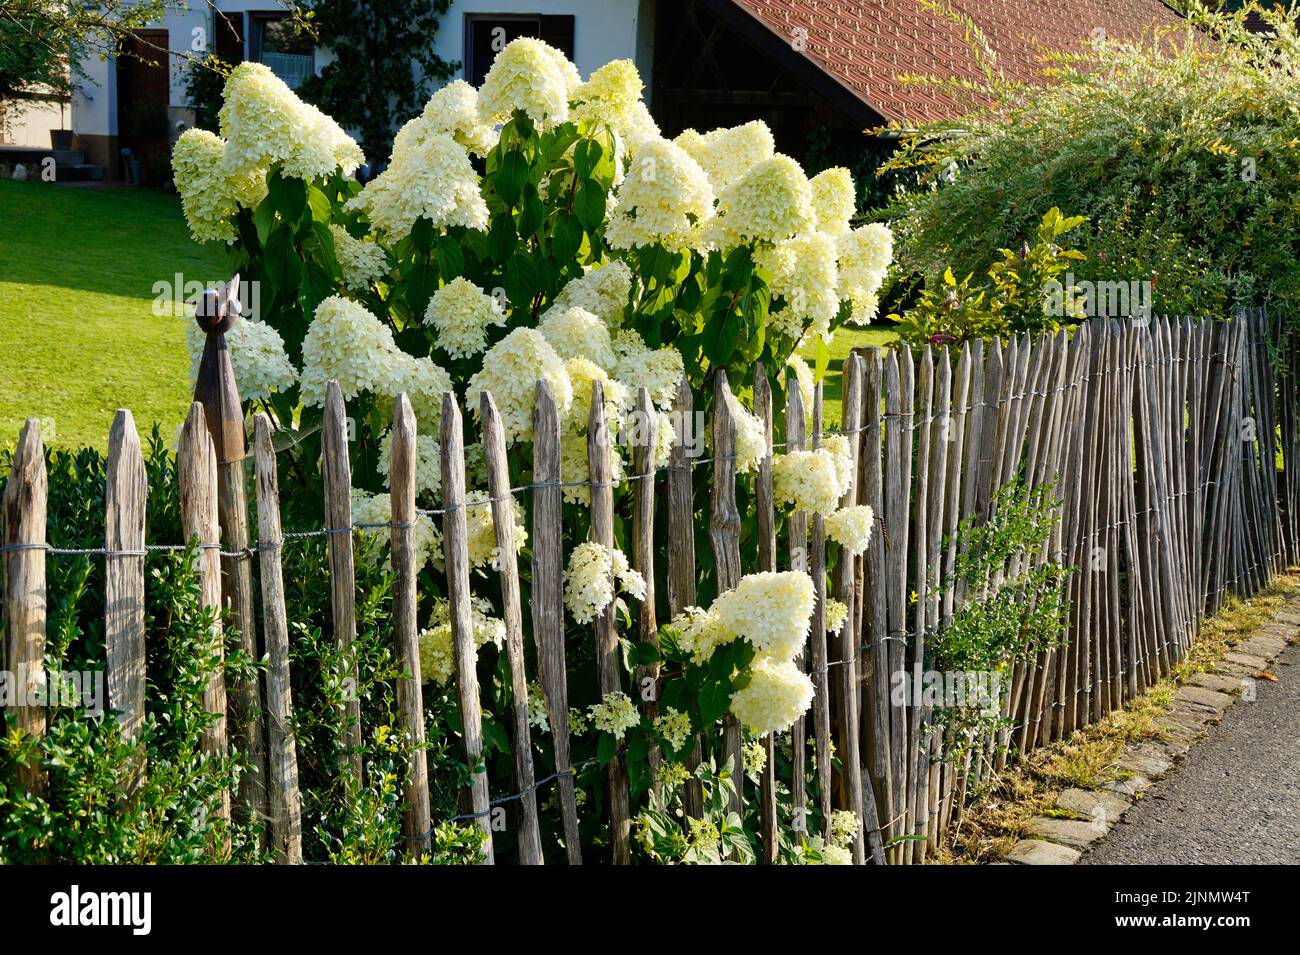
[{"x": 865, "y": 45}]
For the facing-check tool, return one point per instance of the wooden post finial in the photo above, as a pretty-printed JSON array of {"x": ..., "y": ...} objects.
[{"x": 215, "y": 387}]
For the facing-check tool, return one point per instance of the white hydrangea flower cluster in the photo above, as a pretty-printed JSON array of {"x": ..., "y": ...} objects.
[
  {"x": 537, "y": 716},
  {"x": 437, "y": 648},
  {"x": 657, "y": 370},
  {"x": 808, "y": 481},
  {"x": 376, "y": 510},
  {"x": 770, "y": 202},
  {"x": 662, "y": 200},
  {"x": 264, "y": 122},
  {"x": 511, "y": 369},
  {"x": 777, "y": 695},
  {"x": 256, "y": 354},
  {"x": 361, "y": 262},
  {"x": 348, "y": 343},
  {"x": 428, "y": 463},
  {"x": 836, "y": 613},
  {"x": 838, "y": 446},
  {"x": 429, "y": 176},
  {"x": 804, "y": 272},
  {"x": 454, "y": 110},
  {"x": 482, "y": 530},
  {"x": 864, "y": 255},
  {"x": 603, "y": 290},
  {"x": 575, "y": 465},
  {"x": 773, "y": 612},
  {"x": 461, "y": 313},
  {"x": 770, "y": 609},
  {"x": 674, "y": 727},
  {"x": 615, "y": 713},
  {"x": 754, "y": 755},
  {"x": 751, "y": 437},
  {"x": 610, "y": 96},
  {"x": 850, "y": 527},
  {"x": 577, "y": 333},
  {"x": 207, "y": 199},
  {"x": 589, "y": 581},
  {"x": 532, "y": 76},
  {"x": 727, "y": 154},
  {"x": 834, "y": 200}
]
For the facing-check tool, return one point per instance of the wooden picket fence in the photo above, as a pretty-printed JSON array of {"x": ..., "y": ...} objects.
[{"x": 1159, "y": 439}]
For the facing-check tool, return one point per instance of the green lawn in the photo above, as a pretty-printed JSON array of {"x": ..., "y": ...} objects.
[
  {"x": 78, "y": 337},
  {"x": 845, "y": 340}
]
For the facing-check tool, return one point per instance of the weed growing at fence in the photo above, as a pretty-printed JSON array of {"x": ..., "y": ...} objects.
[{"x": 1017, "y": 606}]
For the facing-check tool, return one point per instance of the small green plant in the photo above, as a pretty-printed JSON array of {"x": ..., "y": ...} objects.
[
  {"x": 669, "y": 836},
  {"x": 1016, "y": 298},
  {"x": 1016, "y": 605}
]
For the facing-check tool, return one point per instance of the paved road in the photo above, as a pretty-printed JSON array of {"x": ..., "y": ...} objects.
[{"x": 1234, "y": 798}]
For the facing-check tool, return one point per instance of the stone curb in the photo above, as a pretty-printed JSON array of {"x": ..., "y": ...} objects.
[{"x": 1198, "y": 704}]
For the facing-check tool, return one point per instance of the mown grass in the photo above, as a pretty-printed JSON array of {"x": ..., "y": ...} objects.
[
  {"x": 78, "y": 337},
  {"x": 846, "y": 339}
]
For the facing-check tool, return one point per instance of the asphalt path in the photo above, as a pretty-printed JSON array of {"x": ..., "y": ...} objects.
[{"x": 1234, "y": 798}]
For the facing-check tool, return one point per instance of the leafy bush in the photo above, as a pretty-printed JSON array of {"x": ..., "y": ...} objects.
[
  {"x": 171, "y": 815},
  {"x": 1180, "y": 150}
]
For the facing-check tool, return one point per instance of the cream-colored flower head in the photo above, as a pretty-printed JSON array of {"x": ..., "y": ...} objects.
[
  {"x": 727, "y": 154},
  {"x": 772, "y": 610},
  {"x": 264, "y": 123},
  {"x": 610, "y": 97},
  {"x": 658, "y": 370},
  {"x": 777, "y": 695},
  {"x": 662, "y": 200},
  {"x": 198, "y": 169},
  {"x": 577, "y": 333},
  {"x": 437, "y": 650},
  {"x": 594, "y": 575},
  {"x": 864, "y": 257},
  {"x": 532, "y": 76},
  {"x": 511, "y": 369},
  {"x": 807, "y": 481},
  {"x": 429, "y": 176},
  {"x": 805, "y": 275},
  {"x": 834, "y": 199},
  {"x": 347, "y": 343},
  {"x": 373, "y": 513},
  {"x": 428, "y": 464},
  {"x": 851, "y": 528},
  {"x": 361, "y": 262},
  {"x": 603, "y": 290},
  {"x": 772, "y": 201},
  {"x": 454, "y": 110},
  {"x": 615, "y": 714},
  {"x": 482, "y": 533},
  {"x": 461, "y": 313}
]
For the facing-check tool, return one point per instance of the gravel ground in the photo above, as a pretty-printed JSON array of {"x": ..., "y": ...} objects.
[{"x": 1235, "y": 796}]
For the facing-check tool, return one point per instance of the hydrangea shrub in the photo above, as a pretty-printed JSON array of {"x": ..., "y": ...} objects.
[{"x": 541, "y": 228}]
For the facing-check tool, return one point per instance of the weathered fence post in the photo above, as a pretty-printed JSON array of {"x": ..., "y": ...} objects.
[
  {"x": 455, "y": 542},
  {"x": 336, "y": 469},
  {"x": 601, "y": 471},
  {"x": 797, "y": 534},
  {"x": 125, "y": 493},
  {"x": 410, "y": 692},
  {"x": 766, "y": 562},
  {"x": 281, "y": 748},
  {"x": 216, "y": 390},
  {"x": 503, "y": 519},
  {"x": 724, "y": 534},
  {"x": 25, "y": 597},
  {"x": 548, "y": 603},
  {"x": 196, "y": 472},
  {"x": 681, "y": 555},
  {"x": 644, "y": 433}
]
